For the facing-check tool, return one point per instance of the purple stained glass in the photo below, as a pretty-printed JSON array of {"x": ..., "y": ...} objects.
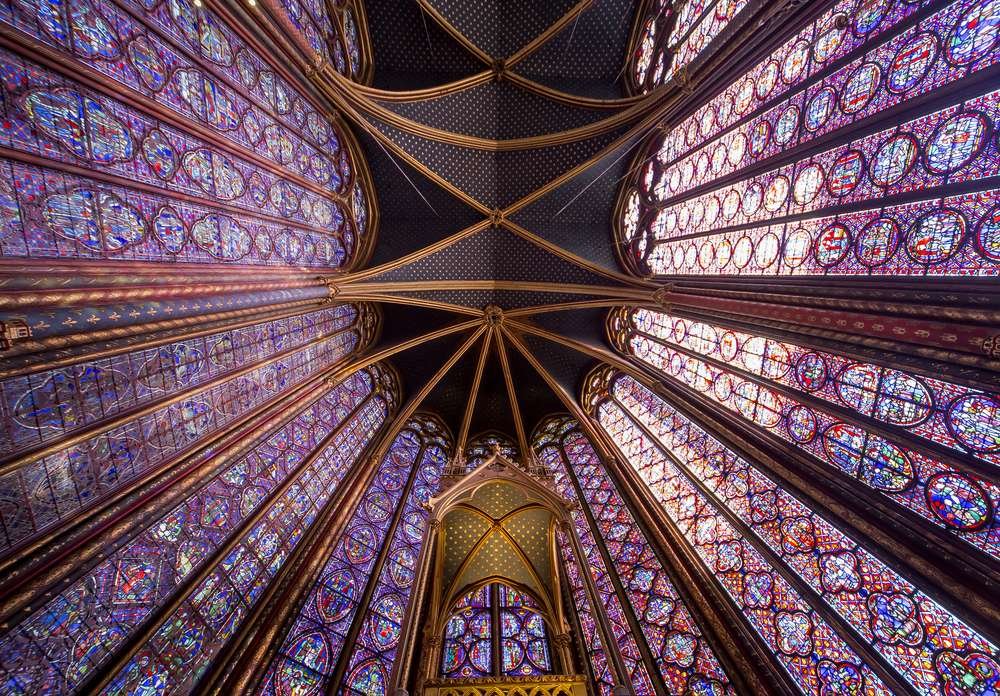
[
  {"x": 467, "y": 650},
  {"x": 668, "y": 629},
  {"x": 417, "y": 457},
  {"x": 927, "y": 408},
  {"x": 40, "y": 408},
  {"x": 390, "y": 610},
  {"x": 900, "y": 63},
  {"x": 679, "y": 460},
  {"x": 481, "y": 447},
  {"x": 217, "y": 606},
  {"x": 111, "y": 600}
]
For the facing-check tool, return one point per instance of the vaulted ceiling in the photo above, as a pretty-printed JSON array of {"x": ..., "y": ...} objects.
[{"x": 498, "y": 134}]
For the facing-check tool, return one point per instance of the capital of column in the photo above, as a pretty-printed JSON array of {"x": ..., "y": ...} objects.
[{"x": 562, "y": 640}]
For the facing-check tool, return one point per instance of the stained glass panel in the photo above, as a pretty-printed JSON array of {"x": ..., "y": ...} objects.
[
  {"x": 683, "y": 658},
  {"x": 110, "y": 601},
  {"x": 44, "y": 490},
  {"x": 803, "y": 642},
  {"x": 928, "y": 485},
  {"x": 524, "y": 644},
  {"x": 215, "y": 608},
  {"x": 680, "y": 222},
  {"x": 391, "y": 608},
  {"x": 468, "y": 636},
  {"x": 909, "y": 629},
  {"x": 481, "y": 447},
  {"x": 411, "y": 468}
]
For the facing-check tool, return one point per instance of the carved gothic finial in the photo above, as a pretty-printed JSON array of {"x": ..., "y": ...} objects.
[
  {"x": 497, "y": 465},
  {"x": 12, "y": 331},
  {"x": 494, "y": 317},
  {"x": 683, "y": 78}
]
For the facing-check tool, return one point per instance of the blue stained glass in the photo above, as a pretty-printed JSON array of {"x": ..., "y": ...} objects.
[
  {"x": 912, "y": 62},
  {"x": 80, "y": 123},
  {"x": 956, "y": 142},
  {"x": 113, "y": 598},
  {"x": 975, "y": 34},
  {"x": 401, "y": 485},
  {"x": 92, "y": 35}
]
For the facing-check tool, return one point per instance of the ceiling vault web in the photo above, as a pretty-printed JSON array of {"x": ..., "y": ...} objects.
[
  {"x": 460, "y": 38},
  {"x": 486, "y": 76}
]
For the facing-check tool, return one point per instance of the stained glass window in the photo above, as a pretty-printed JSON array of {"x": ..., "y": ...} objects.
[
  {"x": 683, "y": 658},
  {"x": 495, "y": 630},
  {"x": 863, "y": 62},
  {"x": 748, "y": 374},
  {"x": 736, "y": 518},
  {"x": 468, "y": 636},
  {"x": 391, "y": 608},
  {"x": 282, "y": 190},
  {"x": 545, "y": 442},
  {"x": 481, "y": 447},
  {"x": 296, "y": 467},
  {"x": 374, "y": 558},
  {"x": 524, "y": 645},
  {"x": 210, "y": 613},
  {"x": 188, "y": 389},
  {"x": 589, "y": 624},
  {"x": 672, "y": 35}
]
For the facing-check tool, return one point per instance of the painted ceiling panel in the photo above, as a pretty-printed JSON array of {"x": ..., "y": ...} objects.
[
  {"x": 499, "y": 499},
  {"x": 496, "y": 179},
  {"x": 501, "y": 27},
  {"x": 495, "y": 253},
  {"x": 463, "y": 529},
  {"x": 587, "y": 56},
  {"x": 498, "y": 557},
  {"x": 411, "y": 50},
  {"x": 505, "y": 299}
]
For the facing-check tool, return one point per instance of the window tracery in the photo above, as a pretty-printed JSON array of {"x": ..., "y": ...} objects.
[
  {"x": 230, "y": 536},
  {"x": 496, "y": 630},
  {"x": 284, "y": 188},
  {"x": 189, "y": 389},
  {"x": 481, "y": 447},
  {"x": 932, "y": 486},
  {"x": 737, "y": 519},
  {"x": 375, "y": 558},
  {"x": 682, "y": 656},
  {"x": 671, "y": 225}
]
